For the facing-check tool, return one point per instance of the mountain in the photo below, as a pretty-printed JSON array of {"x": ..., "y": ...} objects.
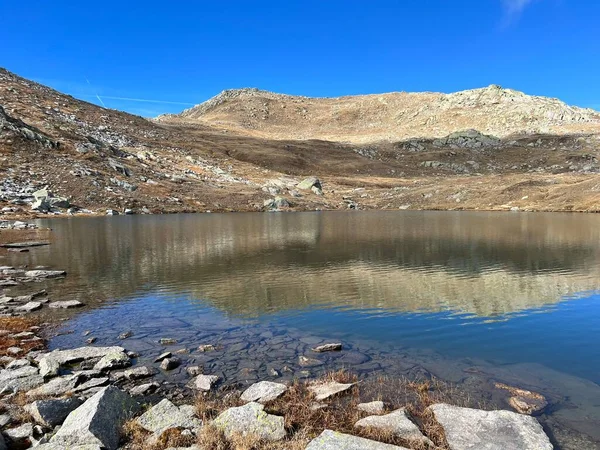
[
  {"x": 487, "y": 149},
  {"x": 387, "y": 117}
]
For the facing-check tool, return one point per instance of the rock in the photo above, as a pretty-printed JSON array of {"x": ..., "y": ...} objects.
[
  {"x": 113, "y": 360},
  {"x": 325, "y": 390},
  {"x": 144, "y": 389},
  {"x": 309, "y": 362},
  {"x": 263, "y": 392},
  {"x": 30, "y": 307},
  {"x": 251, "y": 419},
  {"x": 2, "y": 443},
  {"x": 316, "y": 190},
  {"x": 126, "y": 334},
  {"x": 328, "y": 348},
  {"x": 205, "y": 382},
  {"x": 18, "y": 380},
  {"x": 163, "y": 356},
  {"x": 118, "y": 167},
  {"x": 80, "y": 354},
  {"x": 51, "y": 446},
  {"x": 91, "y": 340},
  {"x": 139, "y": 372},
  {"x": 45, "y": 273},
  {"x": 376, "y": 407},
  {"x": 66, "y": 304},
  {"x": 523, "y": 401},
  {"x": 170, "y": 363},
  {"x": 167, "y": 341},
  {"x": 18, "y": 364},
  {"x": 467, "y": 429},
  {"x": 5, "y": 419},
  {"x": 112, "y": 212},
  {"x": 396, "y": 423},
  {"x": 193, "y": 371},
  {"x": 52, "y": 412},
  {"x": 98, "y": 421},
  {"x": 276, "y": 203},
  {"x": 55, "y": 387},
  {"x": 91, "y": 385},
  {"x": 166, "y": 415},
  {"x": 332, "y": 440},
  {"x": 49, "y": 367},
  {"x": 19, "y": 433},
  {"x": 309, "y": 183},
  {"x": 25, "y": 244},
  {"x": 206, "y": 348}
]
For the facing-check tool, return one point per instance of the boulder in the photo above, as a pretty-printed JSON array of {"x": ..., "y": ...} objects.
[
  {"x": 170, "y": 363},
  {"x": 98, "y": 421},
  {"x": 470, "y": 429},
  {"x": 144, "y": 389},
  {"x": 325, "y": 390},
  {"x": 332, "y": 440},
  {"x": 165, "y": 415},
  {"x": 251, "y": 419},
  {"x": 55, "y": 387},
  {"x": 308, "y": 183},
  {"x": 205, "y": 382},
  {"x": 80, "y": 354},
  {"x": 376, "y": 407},
  {"x": 139, "y": 372},
  {"x": 52, "y": 412},
  {"x": 18, "y": 380},
  {"x": 30, "y": 307},
  {"x": 396, "y": 423},
  {"x": 328, "y": 348},
  {"x": 263, "y": 392},
  {"x": 19, "y": 433},
  {"x": 49, "y": 367}
]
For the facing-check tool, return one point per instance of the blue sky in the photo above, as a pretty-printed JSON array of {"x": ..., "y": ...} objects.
[{"x": 188, "y": 51}]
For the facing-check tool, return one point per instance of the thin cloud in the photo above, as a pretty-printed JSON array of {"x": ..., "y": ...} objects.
[{"x": 516, "y": 7}]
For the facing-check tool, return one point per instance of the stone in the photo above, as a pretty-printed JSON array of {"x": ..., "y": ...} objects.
[
  {"x": 112, "y": 212},
  {"x": 80, "y": 354},
  {"x": 165, "y": 415},
  {"x": 205, "y": 382},
  {"x": 51, "y": 446},
  {"x": 170, "y": 363},
  {"x": 18, "y": 364},
  {"x": 263, "y": 392},
  {"x": 52, "y": 412},
  {"x": 68, "y": 304},
  {"x": 309, "y": 183},
  {"x": 113, "y": 360},
  {"x": 19, "y": 433},
  {"x": 325, "y": 390},
  {"x": 55, "y": 387},
  {"x": 126, "y": 334},
  {"x": 163, "y": 356},
  {"x": 45, "y": 273},
  {"x": 468, "y": 429},
  {"x": 396, "y": 423},
  {"x": 18, "y": 380},
  {"x": 251, "y": 419},
  {"x": 167, "y": 341},
  {"x": 193, "y": 371},
  {"x": 206, "y": 348},
  {"x": 91, "y": 385},
  {"x": 144, "y": 389},
  {"x": 5, "y": 419},
  {"x": 523, "y": 401},
  {"x": 309, "y": 362},
  {"x": 2, "y": 443},
  {"x": 328, "y": 348},
  {"x": 332, "y": 440},
  {"x": 30, "y": 307},
  {"x": 98, "y": 421},
  {"x": 376, "y": 407},
  {"x": 49, "y": 367},
  {"x": 139, "y": 372}
]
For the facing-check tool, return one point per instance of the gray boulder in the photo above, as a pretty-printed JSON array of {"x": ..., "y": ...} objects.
[
  {"x": 396, "y": 423},
  {"x": 18, "y": 380},
  {"x": 52, "y": 412},
  {"x": 263, "y": 392},
  {"x": 205, "y": 382},
  {"x": 308, "y": 183},
  {"x": 332, "y": 440},
  {"x": 165, "y": 415},
  {"x": 98, "y": 421},
  {"x": 49, "y": 367},
  {"x": 251, "y": 419},
  {"x": 113, "y": 360},
  {"x": 55, "y": 387},
  {"x": 80, "y": 354},
  {"x": 470, "y": 429}
]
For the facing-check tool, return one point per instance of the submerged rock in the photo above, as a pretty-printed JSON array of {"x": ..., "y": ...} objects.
[
  {"x": 332, "y": 440},
  {"x": 98, "y": 421},
  {"x": 251, "y": 419},
  {"x": 468, "y": 429},
  {"x": 328, "y": 348},
  {"x": 263, "y": 392},
  {"x": 523, "y": 401},
  {"x": 66, "y": 304}
]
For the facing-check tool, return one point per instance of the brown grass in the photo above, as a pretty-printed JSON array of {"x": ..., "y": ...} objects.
[{"x": 16, "y": 325}]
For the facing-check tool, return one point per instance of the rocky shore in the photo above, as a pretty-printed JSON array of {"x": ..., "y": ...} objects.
[{"x": 96, "y": 397}]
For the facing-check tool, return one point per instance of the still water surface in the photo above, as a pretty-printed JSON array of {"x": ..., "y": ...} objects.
[{"x": 507, "y": 289}]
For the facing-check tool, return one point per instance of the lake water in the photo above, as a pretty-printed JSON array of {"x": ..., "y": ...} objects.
[{"x": 512, "y": 296}]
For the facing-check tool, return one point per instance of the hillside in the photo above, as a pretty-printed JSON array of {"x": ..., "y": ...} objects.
[
  {"x": 92, "y": 159},
  {"x": 388, "y": 117}
]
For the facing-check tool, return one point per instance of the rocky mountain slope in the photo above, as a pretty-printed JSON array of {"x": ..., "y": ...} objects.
[
  {"x": 388, "y": 117},
  {"x": 92, "y": 159}
]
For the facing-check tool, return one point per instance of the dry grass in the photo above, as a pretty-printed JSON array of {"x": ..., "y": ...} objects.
[{"x": 16, "y": 325}]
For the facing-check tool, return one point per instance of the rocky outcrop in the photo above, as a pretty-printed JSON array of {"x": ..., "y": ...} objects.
[
  {"x": 20, "y": 128},
  {"x": 471, "y": 429}
]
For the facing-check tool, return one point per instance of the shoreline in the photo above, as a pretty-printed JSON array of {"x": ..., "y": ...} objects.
[{"x": 90, "y": 384}]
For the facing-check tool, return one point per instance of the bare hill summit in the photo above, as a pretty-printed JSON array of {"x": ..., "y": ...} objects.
[{"x": 388, "y": 117}]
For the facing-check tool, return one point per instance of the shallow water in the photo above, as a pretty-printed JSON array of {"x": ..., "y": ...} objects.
[{"x": 443, "y": 291}]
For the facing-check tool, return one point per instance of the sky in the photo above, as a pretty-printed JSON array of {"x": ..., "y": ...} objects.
[{"x": 154, "y": 57}]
